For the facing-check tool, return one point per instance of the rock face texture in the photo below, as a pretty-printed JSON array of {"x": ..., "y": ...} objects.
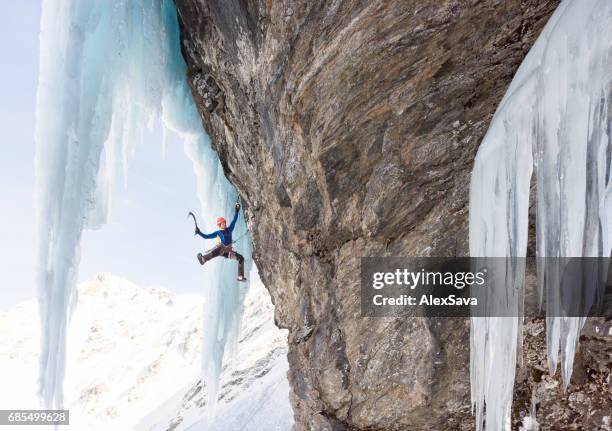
[
  {"x": 349, "y": 128},
  {"x": 586, "y": 404}
]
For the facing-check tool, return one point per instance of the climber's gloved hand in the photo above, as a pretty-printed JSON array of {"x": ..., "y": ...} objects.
[
  {"x": 237, "y": 206},
  {"x": 197, "y": 230}
]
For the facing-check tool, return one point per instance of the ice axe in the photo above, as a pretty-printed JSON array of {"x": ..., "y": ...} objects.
[{"x": 194, "y": 221}]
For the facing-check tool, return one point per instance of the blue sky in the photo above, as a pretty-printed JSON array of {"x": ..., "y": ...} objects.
[{"x": 148, "y": 240}]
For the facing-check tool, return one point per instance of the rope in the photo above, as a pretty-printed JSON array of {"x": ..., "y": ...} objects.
[
  {"x": 227, "y": 197},
  {"x": 220, "y": 245}
]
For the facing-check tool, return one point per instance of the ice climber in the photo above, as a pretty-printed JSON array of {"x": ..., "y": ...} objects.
[{"x": 224, "y": 243}]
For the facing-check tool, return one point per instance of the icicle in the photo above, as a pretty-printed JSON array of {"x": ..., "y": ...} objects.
[
  {"x": 557, "y": 106},
  {"x": 530, "y": 422},
  {"x": 107, "y": 70},
  {"x": 224, "y": 298}
]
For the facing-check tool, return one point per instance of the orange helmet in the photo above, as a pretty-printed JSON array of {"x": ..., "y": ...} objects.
[{"x": 220, "y": 221}]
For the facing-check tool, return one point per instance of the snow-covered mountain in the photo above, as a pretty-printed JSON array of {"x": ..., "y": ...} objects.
[{"x": 134, "y": 361}]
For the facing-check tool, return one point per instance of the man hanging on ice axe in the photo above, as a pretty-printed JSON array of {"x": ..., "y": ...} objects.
[{"x": 224, "y": 243}]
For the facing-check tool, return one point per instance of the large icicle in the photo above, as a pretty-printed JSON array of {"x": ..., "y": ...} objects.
[
  {"x": 557, "y": 108},
  {"x": 107, "y": 70},
  {"x": 223, "y": 306}
]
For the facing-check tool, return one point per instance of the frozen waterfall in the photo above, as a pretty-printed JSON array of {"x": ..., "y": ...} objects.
[
  {"x": 555, "y": 117},
  {"x": 108, "y": 69}
]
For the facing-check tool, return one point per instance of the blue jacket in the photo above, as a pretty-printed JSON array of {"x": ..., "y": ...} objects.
[{"x": 225, "y": 236}]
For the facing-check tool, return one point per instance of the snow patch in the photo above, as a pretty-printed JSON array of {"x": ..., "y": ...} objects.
[{"x": 133, "y": 361}]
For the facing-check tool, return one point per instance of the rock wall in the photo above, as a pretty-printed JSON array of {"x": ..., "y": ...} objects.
[{"x": 349, "y": 128}]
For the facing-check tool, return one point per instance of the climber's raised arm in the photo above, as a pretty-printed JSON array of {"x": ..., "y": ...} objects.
[{"x": 233, "y": 223}]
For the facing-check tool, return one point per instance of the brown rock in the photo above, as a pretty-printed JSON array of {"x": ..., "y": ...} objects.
[{"x": 349, "y": 128}]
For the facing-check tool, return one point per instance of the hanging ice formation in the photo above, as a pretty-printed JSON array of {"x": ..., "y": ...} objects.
[
  {"x": 556, "y": 117},
  {"x": 107, "y": 70}
]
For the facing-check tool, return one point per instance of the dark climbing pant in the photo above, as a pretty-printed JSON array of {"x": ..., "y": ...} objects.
[{"x": 227, "y": 252}]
